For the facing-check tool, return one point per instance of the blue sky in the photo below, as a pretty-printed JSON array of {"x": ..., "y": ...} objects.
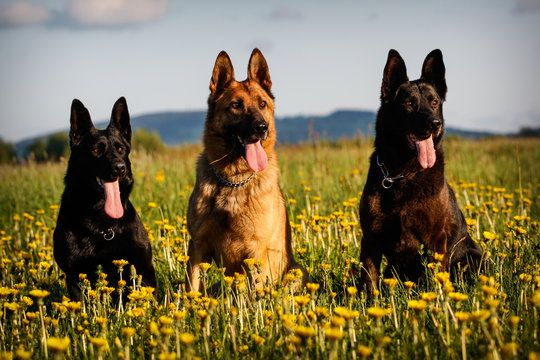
[{"x": 323, "y": 56}]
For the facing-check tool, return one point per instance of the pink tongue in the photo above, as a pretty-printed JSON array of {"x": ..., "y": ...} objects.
[
  {"x": 256, "y": 156},
  {"x": 426, "y": 152},
  {"x": 113, "y": 204}
]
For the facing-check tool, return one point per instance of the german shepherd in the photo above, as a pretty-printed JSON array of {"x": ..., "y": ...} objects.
[
  {"x": 237, "y": 210},
  {"x": 407, "y": 203},
  {"x": 97, "y": 223}
]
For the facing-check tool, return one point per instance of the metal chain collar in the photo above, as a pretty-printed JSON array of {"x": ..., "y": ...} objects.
[
  {"x": 108, "y": 235},
  {"x": 227, "y": 183},
  {"x": 387, "y": 181}
]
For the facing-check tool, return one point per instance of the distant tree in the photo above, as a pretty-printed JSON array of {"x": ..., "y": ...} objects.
[
  {"x": 529, "y": 132},
  {"x": 7, "y": 152},
  {"x": 148, "y": 141},
  {"x": 57, "y": 146},
  {"x": 37, "y": 150}
]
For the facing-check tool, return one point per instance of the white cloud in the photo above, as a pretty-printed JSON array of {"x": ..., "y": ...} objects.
[
  {"x": 22, "y": 13},
  {"x": 115, "y": 12}
]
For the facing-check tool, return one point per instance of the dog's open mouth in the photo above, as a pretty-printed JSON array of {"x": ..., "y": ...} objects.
[
  {"x": 113, "y": 203},
  {"x": 254, "y": 153},
  {"x": 425, "y": 150}
]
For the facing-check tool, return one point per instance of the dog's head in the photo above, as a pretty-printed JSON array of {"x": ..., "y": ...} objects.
[
  {"x": 415, "y": 107},
  {"x": 241, "y": 114},
  {"x": 100, "y": 157}
]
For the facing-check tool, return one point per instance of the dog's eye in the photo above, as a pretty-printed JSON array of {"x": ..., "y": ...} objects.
[
  {"x": 408, "y": 103},
  {"x": 95, "y": 150},
  {"x": 120, "y": 149},
  {"x": 262, "y": 104},
  {"x": 434, "y": 102},
  {"x": 235, "y": 105}
]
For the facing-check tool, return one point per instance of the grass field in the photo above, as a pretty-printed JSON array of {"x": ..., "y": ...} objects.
[{"x": 494, "y": 316}]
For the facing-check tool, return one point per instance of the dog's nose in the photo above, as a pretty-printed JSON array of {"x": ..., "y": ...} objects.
[
  {"x": 119, "y": 169},
  {"x": 435, "y": 124},
  {"x": 260, "y": 127}
]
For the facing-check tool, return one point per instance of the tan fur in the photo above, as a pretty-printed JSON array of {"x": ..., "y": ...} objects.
[{"x": 229, "y": 225}]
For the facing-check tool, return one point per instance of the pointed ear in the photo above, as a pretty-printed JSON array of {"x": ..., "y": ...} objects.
[
  {"x": 395, "y": 74},
  {"x": 433, "y": 71},
  {"x": 80, "y": 121},
  {"x": 258, "y": 70},
  {"x": 223, "y": 73},
  {"x": 120, "y": 118}
]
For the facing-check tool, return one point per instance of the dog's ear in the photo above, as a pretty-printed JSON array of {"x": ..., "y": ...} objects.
[
  {"x": 223, "y": 73},
  {"x": 120, "y": 118},
  {"x": 395, "y": 74},
  {"x": 258, "y": 70},
  {"x": 80, "y": 121},
  {"x": 433, "y": 71}
]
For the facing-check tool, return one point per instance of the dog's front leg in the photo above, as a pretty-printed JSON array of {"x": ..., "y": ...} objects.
[
  {"x": 370, "y": 257},
  {"x": 197, "y": 254}
]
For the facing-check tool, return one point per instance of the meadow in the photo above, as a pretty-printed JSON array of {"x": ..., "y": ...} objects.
[{"x": 495, "y": 315}]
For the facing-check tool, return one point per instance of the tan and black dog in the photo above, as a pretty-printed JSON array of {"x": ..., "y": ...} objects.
[
  {"x": 407, "y": 203},
  {"x": 237, "y": 210}
]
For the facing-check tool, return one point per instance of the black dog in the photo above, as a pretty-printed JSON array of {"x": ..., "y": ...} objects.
[
  {"x": 97, "y": 223},
  {"x": 406, "y": 202}
]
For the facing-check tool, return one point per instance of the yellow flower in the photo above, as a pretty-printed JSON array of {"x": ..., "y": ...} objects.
[
  {"x": 304, "y": 331},
  {"x": 301, "y": 300},
  {"x": 378, "y": 312},
  {"x": 312, "y": 287},
  {"x": 205, "y": 266},
  {"x": 442, "y": 277},
  {"x": 463, "y": 316},
  {"x": 58, "y": 344},
  {"x": 249, "y": 262},
  {"x": 417, "y": 305},
  {"x": 179, "y": 314},
  {"x": 535, "y": 299},
  {"x": 346, "y": 313},
  {"x": 152, "y": 204},
  {"x": 489, "y": 236},
  {"x": 391, "y": 283},
  {"x": 409, "y": 284},
  {"x": 22, "y": 354},
  {"x": 120, "y": 263},
  {"x": 259, "y": 340},
  {"x": 458, "y": 297},
  {"x": 165, "y": 320},
  {"x": 351, "y": 290},
  {"x": 128, "y": 332},
  {"x": 514, "y": 320},
  {"x": 363, "y": 351},
  {"x": 187, "y": 338},
  {"x": 428, "y": 296},
  {"x": 334, "y": 333},
  {"x": 481, "y": 315},
  {"x": 100, "y": 343},
  {"x": 488, "y": 290},
  {"x": 39, "y": 294}
]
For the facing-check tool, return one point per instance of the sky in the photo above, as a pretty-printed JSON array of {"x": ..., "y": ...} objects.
[{"x": 323, "y": 56}]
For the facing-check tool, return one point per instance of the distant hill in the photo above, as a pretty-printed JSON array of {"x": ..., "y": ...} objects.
[{"x": 177, "y": 128}]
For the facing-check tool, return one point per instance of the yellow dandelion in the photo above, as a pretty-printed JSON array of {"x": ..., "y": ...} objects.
[
  {"x": 457, "y": 296},
  {"x": 39, "y": 294},
  {"x": 205, "y": 266},
  {"x": 462, "y": 316},
  {"x": 489, "y": 236},
  {"x": 428, "y": 296},
  {"x": 535, "y": 299},
  {"x": 351, "y": 290},
  {"x": 57, "y": 344},
  {"x": 304, "y": 331},
  {"x": 128, "y": 332},
  {"x": 409, "y": 284},
  {"x": 100, "y": 343},
  {"x": 312, "y": 287},
  {"x": 378, "y": 312},
  {"x": 259, "y": 340},
  {"x": 418, "y": 305},
  {"x": 187, "y": 338},
  {"x": 363, "y": 351},
  {"x": 334, "y": 333},
  {"x": 510, "y": 349}
]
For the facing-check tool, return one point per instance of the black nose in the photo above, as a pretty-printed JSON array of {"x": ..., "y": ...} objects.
[
  {"x": 119, "y": 169},
  {"x": 260, "y": 127},
  {"x": 435, "y": 124}
]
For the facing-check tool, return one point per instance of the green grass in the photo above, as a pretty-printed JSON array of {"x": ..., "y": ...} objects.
[{"x": 497, "y": 184}]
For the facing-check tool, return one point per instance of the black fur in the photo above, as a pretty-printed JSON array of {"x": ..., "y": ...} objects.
[
  {"x": 82, "y": 225},
  {"x": 417, "y": 207}
]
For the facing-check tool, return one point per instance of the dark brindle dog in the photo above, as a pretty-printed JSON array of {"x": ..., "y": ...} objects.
[
  {"x": 97, "y": 223},
  {"x": 406, "y": 202}
]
